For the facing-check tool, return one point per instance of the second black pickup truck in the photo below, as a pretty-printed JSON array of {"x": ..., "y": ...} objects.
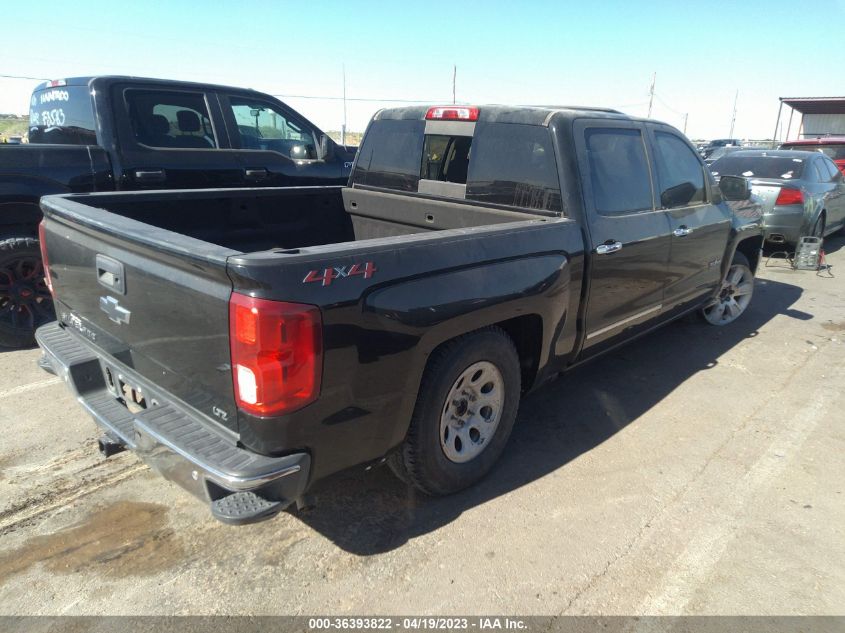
[
  {"x": 128, "y": 133},
  {"x": 247, "y": 343}
]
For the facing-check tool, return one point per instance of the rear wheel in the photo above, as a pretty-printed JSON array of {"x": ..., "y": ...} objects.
[
  {"x": 735, "y": 294},
  {"x": 25, "y": 301},
  {"x": 464, "y": 414}
]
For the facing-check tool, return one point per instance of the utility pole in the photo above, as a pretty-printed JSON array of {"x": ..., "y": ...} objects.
[
  {"x": 343, "y": 128},
  {"x": 686, "y": 117},
  {"x": 454, "y": 78},
  {"x": 651, "y": 94},
  {"x": 733, "y": 117}
]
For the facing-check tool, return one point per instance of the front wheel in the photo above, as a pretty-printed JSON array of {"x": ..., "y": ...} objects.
[
  {"x": 25, "y": 301},
  {"x": 464, "y": 414},
  {"x": 734, "y": 296}
]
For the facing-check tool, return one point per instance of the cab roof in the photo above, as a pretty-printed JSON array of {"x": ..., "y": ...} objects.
[
  {"x": 108, "y": 79},
  {"x": 530, "y": 115}
]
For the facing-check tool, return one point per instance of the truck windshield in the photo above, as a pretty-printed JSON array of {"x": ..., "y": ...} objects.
[{"x": 62, "y": 115}]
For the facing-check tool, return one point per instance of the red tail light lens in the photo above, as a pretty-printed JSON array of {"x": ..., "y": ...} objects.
[
  {"x": 45, "y": 262},
  {"x": 841, "y": 165},
  {"x": 277, "y": 354},
  {"x": 452, "y": 113},
  {"x": 788, "y": 195}
]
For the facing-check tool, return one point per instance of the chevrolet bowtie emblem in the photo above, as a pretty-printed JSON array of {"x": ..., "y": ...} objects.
[{"x": 112, "y": 308}]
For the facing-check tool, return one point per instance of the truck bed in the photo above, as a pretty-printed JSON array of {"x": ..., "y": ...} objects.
[{"x": 249, "y": 220}]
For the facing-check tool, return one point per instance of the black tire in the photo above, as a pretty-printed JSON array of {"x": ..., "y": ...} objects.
[
  {"x": 421, "y": 460},
  {"x": 25, "y": 301}
]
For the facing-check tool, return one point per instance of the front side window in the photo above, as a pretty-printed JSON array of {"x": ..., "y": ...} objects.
[
  {"x": 513, "y": 165},
  {"x": 680, "y": 172},
  {"x": 263, "y": 127},
  {"x": 619, "y": 172},
  {"x": 170, "y": 120}
]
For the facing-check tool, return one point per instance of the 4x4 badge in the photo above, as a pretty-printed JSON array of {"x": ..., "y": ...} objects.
[
  {"x": 111, "y": 307},
  {"x": 326, "y": 276}
]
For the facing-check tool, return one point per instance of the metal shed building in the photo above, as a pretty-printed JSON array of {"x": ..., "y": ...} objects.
[{"x": 819, "y": 116}]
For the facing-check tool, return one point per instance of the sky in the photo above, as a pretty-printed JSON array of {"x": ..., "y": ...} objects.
[{"x": 600, "y": 53}]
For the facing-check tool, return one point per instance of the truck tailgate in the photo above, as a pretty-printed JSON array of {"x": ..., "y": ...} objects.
[{"x": 149, "y": 300}]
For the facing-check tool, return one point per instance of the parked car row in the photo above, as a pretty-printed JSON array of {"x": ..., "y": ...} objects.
[
  {"x": 801, "y": 192},
  {"x": 248, "y": 343}
]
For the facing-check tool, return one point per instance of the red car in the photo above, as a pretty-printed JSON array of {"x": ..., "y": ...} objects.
[{"x": 833, "y": 146}]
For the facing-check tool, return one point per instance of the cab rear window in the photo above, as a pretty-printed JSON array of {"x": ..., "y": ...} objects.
[
  {"x": 62, "y": 115},
  {"x": 390, "y": 155},
  {"x": 502, "y": 164}
]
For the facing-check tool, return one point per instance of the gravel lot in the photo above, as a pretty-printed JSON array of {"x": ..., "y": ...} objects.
[{"x": 696, "y": 471}]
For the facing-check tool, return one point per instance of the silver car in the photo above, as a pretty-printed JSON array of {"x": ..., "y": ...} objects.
[{"x": 802, "y": 193}]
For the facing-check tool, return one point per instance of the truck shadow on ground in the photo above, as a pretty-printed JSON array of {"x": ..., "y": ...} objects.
[{"x": 369, "y": 512}]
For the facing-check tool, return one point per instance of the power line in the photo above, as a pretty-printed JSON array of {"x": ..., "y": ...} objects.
[{"x": 23, "y": 77}]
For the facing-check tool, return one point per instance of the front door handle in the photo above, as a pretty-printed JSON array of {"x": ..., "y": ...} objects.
[
  {"x": 150, "y": 175},
  {"x": 255, "y": 174},
  {"x": 608, "y": 247},
  {"x": 682, "y": 231}
]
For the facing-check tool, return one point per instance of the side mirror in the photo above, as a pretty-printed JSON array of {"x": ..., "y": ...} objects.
[
  {"x": 735, "y": 188},
  {"x": 326, "y": 147},
  {"x": 678, "y": 196}
]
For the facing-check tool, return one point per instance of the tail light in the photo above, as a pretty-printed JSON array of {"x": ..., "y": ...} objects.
[
  {"x": 841, "y": 164},
  {"x": 277, "y": 354},
  {"x": 452, "y": 113},
  {"x": 788, "y": 195},
  {"x": 42, "y": 242}
]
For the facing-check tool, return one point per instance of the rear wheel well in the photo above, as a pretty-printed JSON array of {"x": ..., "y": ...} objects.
[
  {"x": 526, "y": 332},
  {"x": 751, "y": 249}
]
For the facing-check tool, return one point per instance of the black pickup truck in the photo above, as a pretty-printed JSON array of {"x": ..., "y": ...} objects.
[
  {"x": 247, "y": 343},
  {"x": 126, "y": 133}
]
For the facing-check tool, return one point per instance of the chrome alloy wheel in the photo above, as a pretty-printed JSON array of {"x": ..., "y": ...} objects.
[
  {"x": 733, "y": 298},
  {"x": 471, "y": 412}
]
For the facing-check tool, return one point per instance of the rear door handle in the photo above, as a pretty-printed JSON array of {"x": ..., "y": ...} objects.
[
  {"x": 682, "y": 231},
  {"x": 150, "y": 175},
  {"x": 608, "y": 247},
  {"x": 255, "y": 174}
]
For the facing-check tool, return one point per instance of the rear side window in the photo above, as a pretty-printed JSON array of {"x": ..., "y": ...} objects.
[
  {"x": 62, "y": 115},
  {"x": 832, "y": 168},
  {"x": 390, "y": 155},
  {"x": 680, "y": 171},
  {"x": 513, "y": 165},
  {"x": 619, "y": 172},
  {"x": 170, "y": 119}
]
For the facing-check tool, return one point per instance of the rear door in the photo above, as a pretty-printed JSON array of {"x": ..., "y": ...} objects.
[
  {"x": 629, "y": 236},
  {"x": 700, "y": 228},
  {"x": 275, "y": 146},
  {"x": 172, "y": 138}
]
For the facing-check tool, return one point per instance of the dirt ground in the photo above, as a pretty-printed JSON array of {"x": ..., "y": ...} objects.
[{"x": 698, "y": 470}]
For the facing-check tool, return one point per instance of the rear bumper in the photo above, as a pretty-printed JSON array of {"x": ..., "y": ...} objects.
[
  {"x": 784, "y": 224},
  {"x": 240, "y": 486}
]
